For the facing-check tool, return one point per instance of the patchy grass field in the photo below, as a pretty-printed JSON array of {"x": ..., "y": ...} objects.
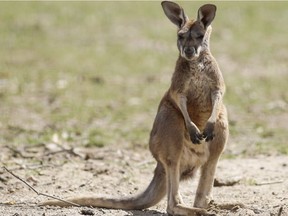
[{"x": 91, "y": 74}]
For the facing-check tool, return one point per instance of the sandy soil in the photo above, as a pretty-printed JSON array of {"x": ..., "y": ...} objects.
[{"x": 260, "y": 183}]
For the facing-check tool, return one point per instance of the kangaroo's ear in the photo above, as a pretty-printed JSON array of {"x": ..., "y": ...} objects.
[
  {"x": 174, "y": 13},
  {"x": 206, "y": 14}
]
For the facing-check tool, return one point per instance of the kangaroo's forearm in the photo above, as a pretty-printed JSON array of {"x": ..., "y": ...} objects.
[
  {"x": 183, "y": 108},
  {"x": 181, "y": 102},
  {"x": 216, "y": 97},
  {"x": 195, "y": 135}
]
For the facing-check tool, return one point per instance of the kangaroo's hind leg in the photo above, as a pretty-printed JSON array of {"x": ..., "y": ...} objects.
[
  {"x": 167, "y": 146},
  {"x": 175, "y": 205},
  {"x": 216, "y": 146}
]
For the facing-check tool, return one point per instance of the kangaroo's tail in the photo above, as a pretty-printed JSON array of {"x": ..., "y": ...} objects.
[{"x": 151, "y": 196}]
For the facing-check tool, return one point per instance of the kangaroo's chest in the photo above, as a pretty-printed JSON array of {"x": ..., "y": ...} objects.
[
  {"x": 199, "y": 102},
  {"x": 199, "y": 89}
]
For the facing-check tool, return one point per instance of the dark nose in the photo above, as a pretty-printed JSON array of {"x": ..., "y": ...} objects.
[{"x": 189, "y": 50}]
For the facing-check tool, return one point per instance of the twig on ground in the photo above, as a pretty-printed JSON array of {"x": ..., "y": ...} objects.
[
  {"x": 18, "y": 152},
  {"x": 33, "y": 166},
  {"x": 38, "y": 193},
  {"x": 29, "y": 147},
  {"x": 70, "y": 151},
  {"x": 270, "y": 182},
  {"x": 280, "y": 211}
]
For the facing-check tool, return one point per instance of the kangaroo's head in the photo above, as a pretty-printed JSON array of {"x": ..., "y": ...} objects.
[{"x": 193, "y": 35}]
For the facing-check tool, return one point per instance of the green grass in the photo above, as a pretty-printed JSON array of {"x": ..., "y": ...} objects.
[{"x": 97, "y": 71}]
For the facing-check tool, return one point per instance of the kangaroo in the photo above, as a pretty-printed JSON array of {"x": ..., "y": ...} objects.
[{"x": 191, "y": 126}]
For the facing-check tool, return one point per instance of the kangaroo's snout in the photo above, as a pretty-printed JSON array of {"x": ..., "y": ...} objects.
[{"x": 189, "y": 52}]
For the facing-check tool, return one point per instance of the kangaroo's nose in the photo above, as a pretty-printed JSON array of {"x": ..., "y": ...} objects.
[{"x": 189, "y": 50}]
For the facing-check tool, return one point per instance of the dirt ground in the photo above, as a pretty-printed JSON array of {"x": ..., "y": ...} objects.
[
  {"x": 57, "y": 82},
  {"x": 259, "y": 183}
]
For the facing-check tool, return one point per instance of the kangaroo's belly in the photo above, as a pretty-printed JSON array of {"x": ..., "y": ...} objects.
[{"x": 193, "y": 157}]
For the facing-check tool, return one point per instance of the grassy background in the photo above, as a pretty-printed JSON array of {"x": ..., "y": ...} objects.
[{"x": 92, "y": 73}]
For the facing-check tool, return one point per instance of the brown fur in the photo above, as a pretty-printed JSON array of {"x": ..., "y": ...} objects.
[{"x": 191, "y": 109}]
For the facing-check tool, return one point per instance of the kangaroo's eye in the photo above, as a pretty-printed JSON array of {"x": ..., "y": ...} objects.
[
  {"x": 180, "y": 36},
  {"x": 200, "y": 37}
]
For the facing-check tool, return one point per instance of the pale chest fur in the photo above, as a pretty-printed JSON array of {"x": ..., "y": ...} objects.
[
  {"x": 199, "y": 86},
  {"x": 199, "y": 89},
  {"x": 196, "y": 80}
]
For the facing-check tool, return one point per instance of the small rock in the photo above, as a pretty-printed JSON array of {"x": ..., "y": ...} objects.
[
  {"x": 87, "y": 212},
  {"x": 230, "y": 182},
  {"x": 32, "y": 179}
]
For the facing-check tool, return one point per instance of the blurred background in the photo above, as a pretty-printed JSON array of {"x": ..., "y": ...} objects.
[{"x": 92, "y": 73}]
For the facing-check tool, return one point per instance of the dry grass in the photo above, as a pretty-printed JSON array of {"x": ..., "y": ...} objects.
[{"x": 92, "y": 73}]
